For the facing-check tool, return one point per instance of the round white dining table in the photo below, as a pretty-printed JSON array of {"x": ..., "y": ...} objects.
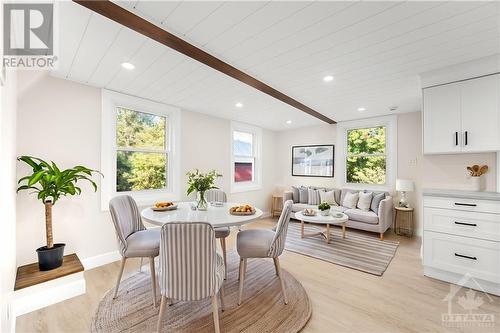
[{"x": 216, "y": 216}]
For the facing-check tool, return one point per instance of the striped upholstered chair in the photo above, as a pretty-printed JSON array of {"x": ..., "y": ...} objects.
[
  {"x": 190, "y": 267},
  {"x": 264, "y": 243},
  {"x": 134, "y": 239},
  {"x": 221, "y": 233}
]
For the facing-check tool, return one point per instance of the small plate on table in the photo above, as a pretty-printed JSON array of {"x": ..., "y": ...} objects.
[
  {"x": 163, "y": 208},
  {"x": 217, "y": 204}
]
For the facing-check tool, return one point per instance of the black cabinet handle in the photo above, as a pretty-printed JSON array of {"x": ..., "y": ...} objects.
[
  {"x": 456, "y": 138},
  {"x": 465, "y": 204},
  {"x": 464, "y": 256},
  {"x": 466, "y": 138},
  {"x": 469, "y": 224}
]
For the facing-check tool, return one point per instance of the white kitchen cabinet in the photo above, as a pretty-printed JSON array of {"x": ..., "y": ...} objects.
[
  {"x": 461, "y": 238},
  {"x": 442, "y": 119},
  {"x": 462, "y": 116},
  {"x": 480, "y": 113}
]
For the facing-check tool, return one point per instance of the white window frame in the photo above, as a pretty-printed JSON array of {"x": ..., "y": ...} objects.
[
  {"x": 390, "y": 123},
  {"x": 110, "y": 102},
  {"x": 256, "y": 132}
]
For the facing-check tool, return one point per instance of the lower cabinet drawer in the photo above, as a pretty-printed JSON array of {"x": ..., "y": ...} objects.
[
  {"x": 462, "y": 255},
  {"x": 462, "y": 223}
]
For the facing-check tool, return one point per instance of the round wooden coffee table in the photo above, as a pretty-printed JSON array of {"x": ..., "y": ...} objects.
[{"x": 320, "y": 219}]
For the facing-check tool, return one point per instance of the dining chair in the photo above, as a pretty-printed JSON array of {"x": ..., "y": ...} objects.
[
  {"x": 264, "y": 243},
  {"x": 221, "y": 233},
  {"x": 134, "y": 239},
  {"x": 190, "y": 267}
]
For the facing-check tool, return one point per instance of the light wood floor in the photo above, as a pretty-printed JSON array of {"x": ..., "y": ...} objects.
[{"x": 344, "y": 300}]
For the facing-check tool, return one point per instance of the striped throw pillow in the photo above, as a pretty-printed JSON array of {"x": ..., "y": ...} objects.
[{"x": 313, "y": 197}]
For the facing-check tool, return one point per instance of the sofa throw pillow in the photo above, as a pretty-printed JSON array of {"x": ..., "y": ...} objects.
[
  {"x": 377, "y": 197},
  {"x": 295, "y": 194},
  {"x": 350, "y": 200},
  {"x": 303, "y": 194},
  {"x": 365, "y": 200},
  {"x": 313, "y": 197},
  {"x": 328, "y": 197}
]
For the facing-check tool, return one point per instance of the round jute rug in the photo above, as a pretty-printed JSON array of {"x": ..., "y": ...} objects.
[{"x": 262, "y": 309}]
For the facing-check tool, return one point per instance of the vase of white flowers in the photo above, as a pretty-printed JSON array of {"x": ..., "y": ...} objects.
[{"x": 201, "y": 182}]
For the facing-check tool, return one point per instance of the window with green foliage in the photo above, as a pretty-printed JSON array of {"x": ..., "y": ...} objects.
[
  {"x": 142, "y": 156},
  {"x": 366, "y": 155}
]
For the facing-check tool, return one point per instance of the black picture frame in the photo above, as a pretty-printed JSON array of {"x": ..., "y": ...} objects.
[{"x": 305, "y": 147}]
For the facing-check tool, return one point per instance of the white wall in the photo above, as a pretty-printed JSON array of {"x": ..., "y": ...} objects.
[
  {"x": 206, "y": 145},
  {"x": 8, "y": 199},
  {"x": 60, "y": 120},
  {"x": 322, "y": 134}
]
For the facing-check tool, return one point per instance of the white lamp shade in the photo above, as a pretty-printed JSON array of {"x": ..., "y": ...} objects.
[{"x": 404, "y": 185}]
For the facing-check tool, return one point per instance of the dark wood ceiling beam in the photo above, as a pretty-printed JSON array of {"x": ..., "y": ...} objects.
[{"x": 148, "y": 29}]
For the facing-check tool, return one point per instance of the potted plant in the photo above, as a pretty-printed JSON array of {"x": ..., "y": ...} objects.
[
  {"x": 324, "y": 208},
  {"x": 201, "y": 182},
  {"x": 49, "y": 183}
]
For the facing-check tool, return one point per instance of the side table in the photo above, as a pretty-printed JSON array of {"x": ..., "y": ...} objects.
[
  {"x": 403, "y": 221},
  {"x": 276, "y": 205}
]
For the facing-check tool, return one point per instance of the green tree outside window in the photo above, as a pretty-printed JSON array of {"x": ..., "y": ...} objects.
[
  {"x": 141, "y": 158},
  {"x": 366, "y": 155}
]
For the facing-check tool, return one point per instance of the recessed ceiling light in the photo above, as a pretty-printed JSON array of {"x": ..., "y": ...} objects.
[
  {"x": 128, "y": 65},
  {"x": 361, "y": 109},
  {"x": 328, "y": 78},
  {"x": 239, "y": 105},
  {"x": 288, "y": 122}
]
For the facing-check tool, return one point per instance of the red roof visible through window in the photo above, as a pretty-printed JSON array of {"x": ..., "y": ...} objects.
[{"x": 243, "y": 172}]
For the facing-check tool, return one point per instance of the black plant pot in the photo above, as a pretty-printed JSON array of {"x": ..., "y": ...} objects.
[{"x": 50, "y": 258}]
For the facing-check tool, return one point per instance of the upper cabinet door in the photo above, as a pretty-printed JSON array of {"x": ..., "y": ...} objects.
[
  {"x": 442, "y": 119},
  {"x": 480, "y": 118}
]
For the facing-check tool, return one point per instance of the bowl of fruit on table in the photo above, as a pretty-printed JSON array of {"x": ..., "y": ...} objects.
[
  {"x": 163, "y": 206},
  {"x": 242, "y": 210}
]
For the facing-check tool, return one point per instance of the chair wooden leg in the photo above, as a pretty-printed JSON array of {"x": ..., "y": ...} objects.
[
  {"x": 221, "y": 293},
  {"x": 215, "y": 311},
  {"x": 282, "y": 282},
  {"x": 163, "y": 306},
  {"x": 276, "y": 268},
  {"x": 153, "y": 278},
  {"x": 119, "y": 276},
  {"x": 381, "y": 236},
  {"x": 243, "y": 266},
  {"x": 224, "y": 255}
]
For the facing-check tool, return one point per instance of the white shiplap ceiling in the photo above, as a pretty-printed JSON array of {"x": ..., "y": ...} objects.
[{"x": 374, "y": 50}]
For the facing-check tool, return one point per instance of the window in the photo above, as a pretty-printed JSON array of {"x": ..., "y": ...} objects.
[
  {"x": 245, "y": 161},
  {"x": 140, "y": 149},
  {"x": 244, "y": 158},
  {"x": 366, "y": 155},
  {"x": 141, "y": 156}
]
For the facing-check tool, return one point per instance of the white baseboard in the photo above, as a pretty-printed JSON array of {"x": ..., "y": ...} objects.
[
  {"x": 44, "y": 294},
  {"x": 265, "y": 215},
  {"x": 101, "y": 259}
]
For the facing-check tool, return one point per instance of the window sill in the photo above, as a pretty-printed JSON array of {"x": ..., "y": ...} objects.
[
  {"x": 245, "y": 188},
  {"x": 146, "y": 198},
  {"x": 368, "y": 187}
]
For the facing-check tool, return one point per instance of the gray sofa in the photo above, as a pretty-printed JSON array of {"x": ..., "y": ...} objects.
[{"x": 369, "y": 220}]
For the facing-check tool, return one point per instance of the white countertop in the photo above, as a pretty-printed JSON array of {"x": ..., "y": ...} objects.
[{"x": 494, "y": 196}]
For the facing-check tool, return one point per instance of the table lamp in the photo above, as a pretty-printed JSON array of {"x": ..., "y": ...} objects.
[{"x": 403, "y": 186}]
